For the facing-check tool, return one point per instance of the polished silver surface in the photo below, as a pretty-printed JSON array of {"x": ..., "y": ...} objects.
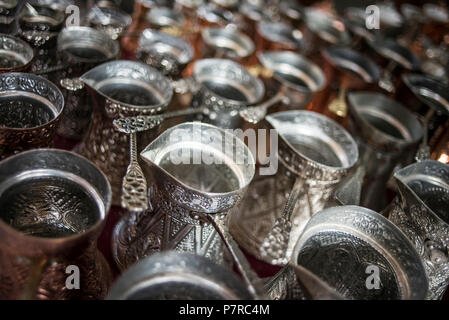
[
  {"x": 327, "y": 27},
  {"x": 169, "y": 54},
  {"x": 224, "y": 88},
  {"x": 196, "y": 170},
  {"x": 15, "y": 54},
  {"x": 432, "y": 92},
  {"x": 175, "y": 275},
  {"x": 387, "y": 134},
  {"x": 111, "y": 20},
  {"x": 120, "y": 89},
  {"x": 312, "y": 149},
  {"x": 354, "y": 62},
  {"x": 396, "y": 52},
  {"x": 421, "y": 213},
  {"x": 340, "y": 244},
  {"x": 228, "y": 42},
  {"x": 85, "y": 44},
  {"x": 165, "y": 17},
  {"x": 55, "y": 206},
  {"x": 281, "y": 33},
  {"x": 299, "y": 78}
]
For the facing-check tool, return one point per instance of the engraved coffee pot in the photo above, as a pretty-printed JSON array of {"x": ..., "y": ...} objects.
[
  {"x": 314, "y": 155},
  {"x": 193, "y": 177},
  {"x": 54, "y": 205},
  {"x": 121, "y": 89},
  {"x": 420, "y": 211}
]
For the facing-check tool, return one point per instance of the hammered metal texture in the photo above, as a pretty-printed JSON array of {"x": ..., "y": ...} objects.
[{"x": 165, "y": 226}]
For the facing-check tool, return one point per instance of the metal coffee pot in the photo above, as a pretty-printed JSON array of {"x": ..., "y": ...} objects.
[
  {"x": 178, "y": 275},
  {"x": 166, "y": 53},
  {"x": 198, "y": 172},
  {"x": 395, "y": 59},
  {"x": 30, "y": 111},
  {"x": 314, "y": 154},
  {"x": 225, "y": 88},
  {"x": 54, "y": 205},
  {"x": 227, "y": 43},
  {"x": 361, "y": 255},
  {"x": 120, "y": 89},
  {"x": 15, "y": 54},
  {"x": 388, "y": 135},
  {"x": 347, "y": 69},
  {"x": 299, "y": 82},
  {"x": 79, "y": 50},
  {"x": 420, "y": 211}
]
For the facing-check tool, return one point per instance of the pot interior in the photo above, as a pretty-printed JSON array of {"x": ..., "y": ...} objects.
[
  {"x": 341, "y": 260},
  {"x": 49, "y": 204}
]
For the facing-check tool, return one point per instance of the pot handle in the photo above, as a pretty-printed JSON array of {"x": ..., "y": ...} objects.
[{"x": 253, "y": 282}]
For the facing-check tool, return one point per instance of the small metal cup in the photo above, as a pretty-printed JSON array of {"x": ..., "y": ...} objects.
[
  {"x": 278, "y": 36},
  {"x": 178, "y": 276},
  {"x": 15, "y": 55},
  {"x": 420, "y": 212},
  {"x": 79, "y": 49},
  {"x": 311, "y": 148},
  {"x": 184, "y": 190},
  {"x": 224, "y": 87},
  {"x": 227, "y": 43},
  {"x": 30, "y": 108},
  {"x": 54, "y": 205},
  {"x": 388, "y": 135},
  {"x": 118, "y": 89},
  {"x": 346, "y": 245},
  {"x": 166, "y": 53},
  {"x": 323, "y": 29},
  {"x": 111, "y": 20}
]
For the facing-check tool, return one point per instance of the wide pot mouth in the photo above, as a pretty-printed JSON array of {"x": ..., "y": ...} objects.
[
  {"x": 28, "y": 102},
  {"x": 350, "y": 240},
  {"x": 390, "y": 17},
  {"x": 281, "y": 33},
  {"x": 51, "y": 197},
  {"x": 165, "y": 17},
  {"x": 162, "y": 44},
  {"x": 215, "y": 14},
  {"x": 316, "y": 138},
  {"x": 109, "y": 16},
  {"x": 428, "y": 181},
  {"x": 292, "y": 9},
  {"x": 204, "y": 160},
  {"x": 294, "y": 70},
  {"x": 327, "y": 27},
  {"x": 235, "y": 43},
  {"x": 412, "y": 13},
  {"x": 87, "y": 44},
  {"x": 8, "y": 4},
  {"x": 355, "y": 21},
  {"x": 177, "y": 275},
  {"x": 229, "y": 81},
  {"x": 393, "y": 51},
  {"x": 133, "y": 85},
  {"x": 432, "y": 92},
  {"x": 436, "y": 13},
  {"x": 14, "y": 53},
  {"x": 353, "y": 62},
  {"x": 46, "y": 16},
  {"x": 253, "y": 12},
  {"x": 384, "y": 119}
]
